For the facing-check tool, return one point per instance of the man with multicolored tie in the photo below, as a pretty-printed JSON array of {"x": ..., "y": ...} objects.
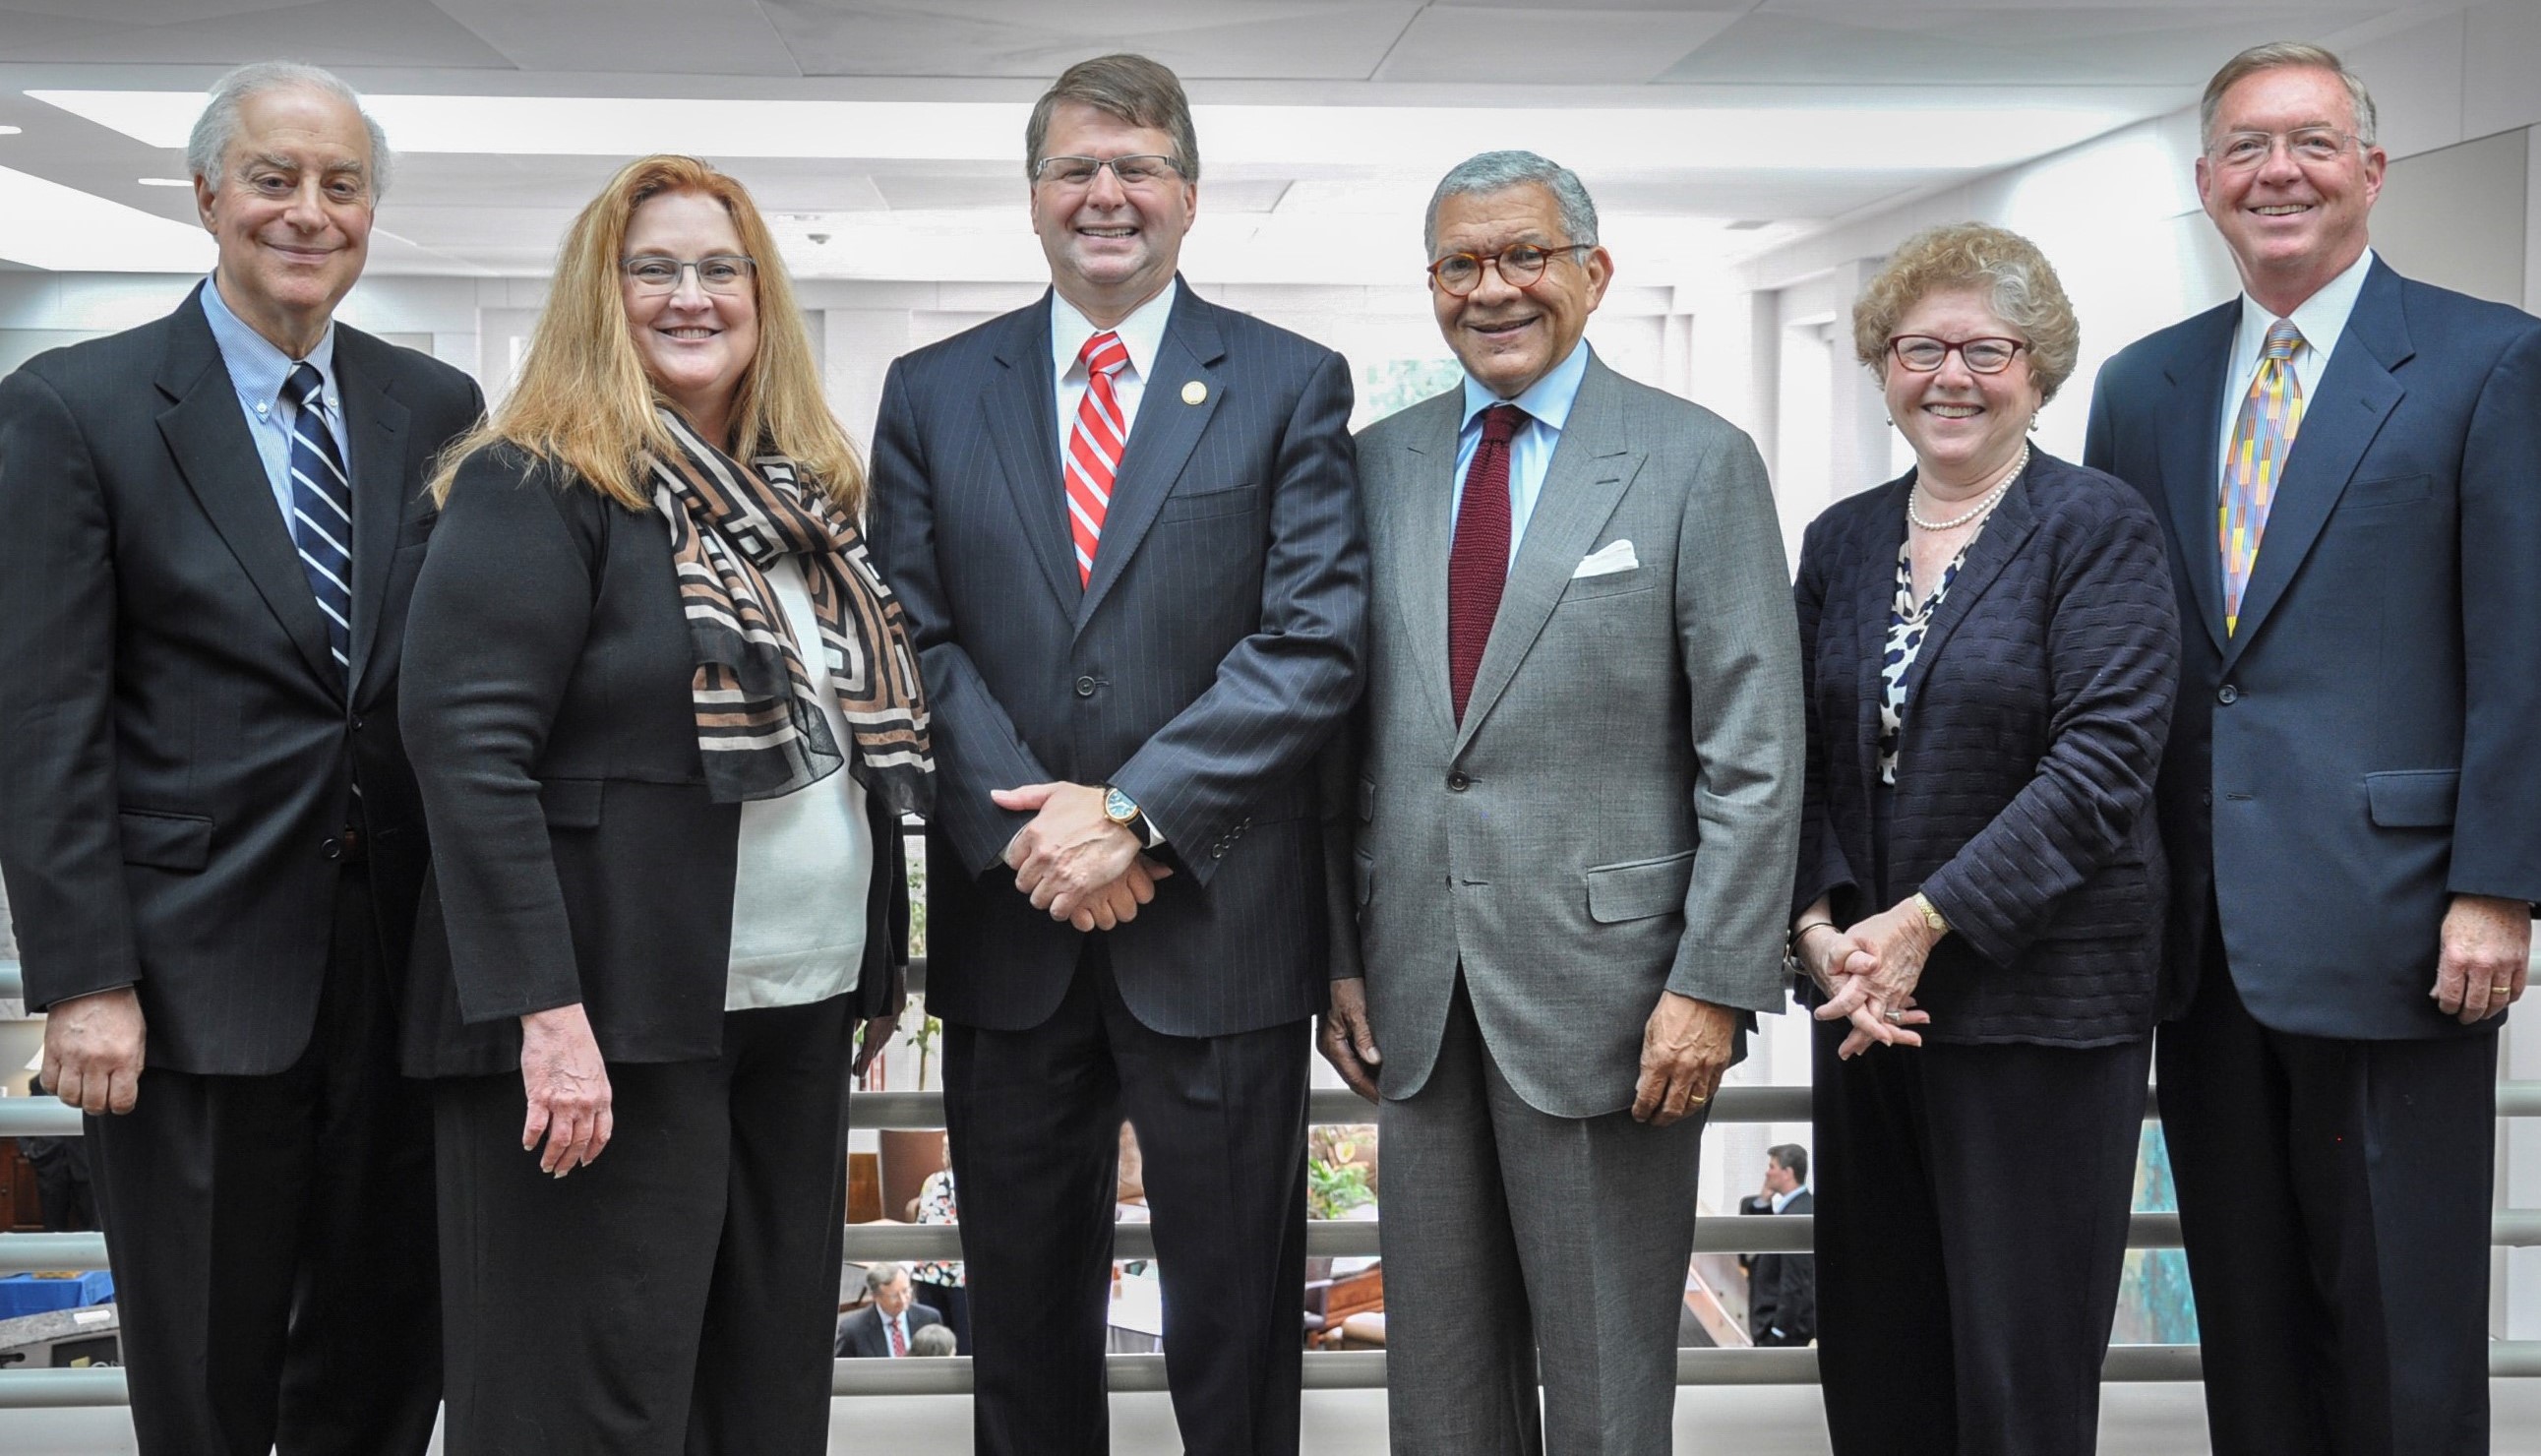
[
  {"x": 208, "y": 826},
  {"x": 1125, "y": 527},
  {"x": 2349, "y": 466}
]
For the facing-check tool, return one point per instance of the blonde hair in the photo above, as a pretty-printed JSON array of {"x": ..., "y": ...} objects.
[
  {"x": 582, "y": 400},
  {"x": 2019, "y": 283}
]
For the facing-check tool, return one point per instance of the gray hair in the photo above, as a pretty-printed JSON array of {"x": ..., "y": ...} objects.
[
  {"x": 881, "y": 1276},
  {"x": 1498, "y": 172},
  {"x": 209, "y": 145},
  {"x": 2277, "y": 55},
  {"x": 932, "y": 1340}
]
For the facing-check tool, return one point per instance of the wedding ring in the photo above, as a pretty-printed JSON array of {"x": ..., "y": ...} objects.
[
  {"x": 1894, "y": 1018},
  {"x": 2500, "y": 986}
]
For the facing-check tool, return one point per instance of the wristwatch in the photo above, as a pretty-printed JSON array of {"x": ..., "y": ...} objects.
[
  {"x": 1932, "y": 918},
  {"x": 1123, "y": 810}
]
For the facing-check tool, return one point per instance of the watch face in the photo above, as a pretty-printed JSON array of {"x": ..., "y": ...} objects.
[{"x": 1118, "y": 807}]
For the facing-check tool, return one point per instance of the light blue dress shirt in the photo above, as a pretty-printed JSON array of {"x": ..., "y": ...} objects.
[
  {"x": 258, "y": 371},
  {"x": 1547, "y": 402}
]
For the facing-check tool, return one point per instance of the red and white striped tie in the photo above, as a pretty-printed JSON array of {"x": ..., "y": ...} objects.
[{"x": 1094, "y": 450}]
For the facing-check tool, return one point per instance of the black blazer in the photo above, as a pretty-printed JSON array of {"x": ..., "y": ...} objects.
[
  {"x": 2363, "y": 748},
  {"x": 179, "y": 752},
  {"x": 547, "y": 691},
  {"x": 1782, "y": 1288},
  {"x": 2026, "y": 772},
  {"x": 862, "y": 1336},
  {"x": 1219, "y": 646}
]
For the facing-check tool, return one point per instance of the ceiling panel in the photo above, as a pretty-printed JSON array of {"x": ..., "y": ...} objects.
[
  {"x": 1548, "y": 46},
  {"x": 678, "y": 36},
  {"x": 2078, "y": 44},
  {"x": 1255, "y": 38},
  {"x": 329, "y": 32}
]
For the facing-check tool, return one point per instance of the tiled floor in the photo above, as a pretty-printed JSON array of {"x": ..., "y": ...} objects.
[{"x": 2136, "y": 1420}]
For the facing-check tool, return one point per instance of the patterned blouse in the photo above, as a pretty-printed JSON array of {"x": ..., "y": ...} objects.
[
  {"x": 1907, "y": 620},
  {"x": 935, "y": 1205}
]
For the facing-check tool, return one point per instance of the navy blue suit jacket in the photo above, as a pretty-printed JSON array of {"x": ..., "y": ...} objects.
[
  {"x": 2026, "y": 772},
  {"x": 1219, "y": 643},
  {"x": 2362, "y": 748}
]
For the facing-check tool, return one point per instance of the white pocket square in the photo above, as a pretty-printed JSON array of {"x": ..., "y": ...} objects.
[{"x": 1607, "y": 559}]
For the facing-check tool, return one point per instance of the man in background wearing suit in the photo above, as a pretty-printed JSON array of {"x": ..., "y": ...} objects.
[
  {"x": 1576, "y": 803},
  {"x": 883, "y": 1328},
  {"x": 1782, "y": 1288},
  {"x": 211, "y": 834},
  {"x": 2349, "y": 466},
  {"x": 1124, "y": 524}
]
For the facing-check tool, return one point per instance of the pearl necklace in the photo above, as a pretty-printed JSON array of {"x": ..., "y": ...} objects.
[{"x": 1985, "y": 502}]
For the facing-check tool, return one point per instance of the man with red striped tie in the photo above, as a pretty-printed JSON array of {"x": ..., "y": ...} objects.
[{"x": 1125, "y": 527}]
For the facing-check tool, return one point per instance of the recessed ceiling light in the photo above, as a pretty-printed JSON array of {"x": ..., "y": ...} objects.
[
  {"x": 162, "y": 181},
  {"x": 11, "y": 130}
]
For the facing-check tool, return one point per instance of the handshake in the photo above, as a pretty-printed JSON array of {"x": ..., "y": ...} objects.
[
  {"x": 1074, "y": 860},
  {"x": 1869, "y": 971}
]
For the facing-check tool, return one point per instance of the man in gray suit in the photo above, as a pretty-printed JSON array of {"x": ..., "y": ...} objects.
[{"x": 1576, "y": 800}]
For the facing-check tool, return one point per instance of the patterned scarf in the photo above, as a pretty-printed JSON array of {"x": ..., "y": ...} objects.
[{"x": 759, "y": 723}]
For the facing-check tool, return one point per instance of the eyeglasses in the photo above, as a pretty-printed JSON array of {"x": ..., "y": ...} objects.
[
  {"x": 717, "y": 272},
  {"x": 1460, "y": 273},
  {"x": 1129, "y": 171},
  {"x": 2245, "y": 151},
  {"x": 1920, "y": 353}
]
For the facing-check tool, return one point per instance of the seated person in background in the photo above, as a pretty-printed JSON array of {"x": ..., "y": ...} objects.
[
  {"x": 931, "y": 1340},
  {"x": 882, "y": 1330}
]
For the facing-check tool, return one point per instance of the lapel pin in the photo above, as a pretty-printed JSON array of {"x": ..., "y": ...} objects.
[{"x": 1195, "y": 392}]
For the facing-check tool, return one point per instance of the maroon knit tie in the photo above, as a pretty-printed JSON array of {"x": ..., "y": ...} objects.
[{"x": 1478, "y": 564}]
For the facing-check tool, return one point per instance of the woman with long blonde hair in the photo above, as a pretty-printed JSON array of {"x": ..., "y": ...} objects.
[{"x": 665, "y": 718}]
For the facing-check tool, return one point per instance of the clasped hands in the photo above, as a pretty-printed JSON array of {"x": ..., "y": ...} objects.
[
  {"x": 1869, "y": 974},
  {"x": 1073, "y": 861}
]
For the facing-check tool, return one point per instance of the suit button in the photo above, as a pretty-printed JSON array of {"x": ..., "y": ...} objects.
[
  {"x": 1458, "y": 784},
  {"x": 333, "y": 849},
  {"x": 1085, "y": 687},
  {"x": 359, "y": 725},
  {"x": 2227, "y": 695},
  {"x": 2205, "y": 798}
]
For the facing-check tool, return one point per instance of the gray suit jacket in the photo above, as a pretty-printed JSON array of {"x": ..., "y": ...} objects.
[{"x": 1619, "y": 813}]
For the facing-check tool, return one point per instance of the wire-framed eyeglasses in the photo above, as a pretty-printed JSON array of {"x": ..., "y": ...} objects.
[
  {"x": 717, "y": 272},
  {"x": 1143, "y": 170},
  {"x": 2312, "y": 146},
  {"x": 1520, "y": 265},
  {"x": 1922, "y": 353}
]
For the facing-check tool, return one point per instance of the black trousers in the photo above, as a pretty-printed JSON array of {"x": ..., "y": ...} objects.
[
  {"x": 2334, "y": 1197},
  {"x": 273, "y": 1237},
  {"x": 1971, "y": 1206},
  {"x": 678, "y": 1295},
  {"x": 1035, "y": 1117}
]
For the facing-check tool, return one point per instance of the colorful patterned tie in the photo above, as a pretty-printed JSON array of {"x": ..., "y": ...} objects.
[
  {"x": 1094, "y": 450},
  {"x": 2263, "y": 434},
  {"x": 321, "y": 511},
  {"x": 1478, "y": 563}
]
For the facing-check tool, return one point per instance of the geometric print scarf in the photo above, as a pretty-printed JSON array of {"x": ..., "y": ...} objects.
[{"x": 759, "y": 724}]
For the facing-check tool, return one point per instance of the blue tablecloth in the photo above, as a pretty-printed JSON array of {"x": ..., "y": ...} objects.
[{"x": 26, "y": 1295}]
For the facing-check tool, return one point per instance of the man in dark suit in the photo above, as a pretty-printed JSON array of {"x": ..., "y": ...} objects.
[
  {"x": 883, "y": 1329},
  {"x": 1782, "y": 1288},
  {"x": 208, "y": 828},
  {"x": 1124, "y": 524},
  {"x": 2346, "y": 460}
]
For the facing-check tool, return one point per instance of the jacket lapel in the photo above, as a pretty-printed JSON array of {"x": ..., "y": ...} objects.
[
  {"x": 2011, "y": 524},
  {"x": 1167, "y": 426},
  {"x": 2192, "y": 452},
  {"x": 1020, "y": 407},
  {"x": 2354, "y": 397},
  {"x": 1413, "y": 514},
  {"x": 374, "y": 427},
  {"x": 1589, "y": 472},
  {"x": 208, "y": 435},
  {"x": 1874, "y": 594}
]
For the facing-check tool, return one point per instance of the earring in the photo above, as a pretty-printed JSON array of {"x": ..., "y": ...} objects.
[{"x": 1890, "y": 420}]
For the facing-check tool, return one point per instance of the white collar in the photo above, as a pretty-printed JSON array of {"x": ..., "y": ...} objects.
[
  {"x": 2321, "y": 318},
  {"x": 1142, "y": 334}
]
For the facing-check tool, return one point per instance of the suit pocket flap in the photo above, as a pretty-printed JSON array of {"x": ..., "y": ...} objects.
[
  {"x": 172, "y": 842},
  {"x": 1363, "y": 875},
  {"x": 1638, "y": 889},
  {"x": 2413, "y": 798},
  {"x": 572, "y": 803}
]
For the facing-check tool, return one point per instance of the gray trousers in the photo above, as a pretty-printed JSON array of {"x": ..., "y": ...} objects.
[{"x": 1519, "y": 1241}]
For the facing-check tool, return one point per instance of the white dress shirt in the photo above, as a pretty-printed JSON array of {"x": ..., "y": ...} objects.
[
  {"x": 2321, "y": 320},
  {"x": 1142, "y": 334},
  {"x": 1547, "y": 402}
]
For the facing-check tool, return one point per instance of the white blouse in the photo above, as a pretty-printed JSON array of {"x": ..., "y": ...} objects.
[{"x": 807, "y": 859}]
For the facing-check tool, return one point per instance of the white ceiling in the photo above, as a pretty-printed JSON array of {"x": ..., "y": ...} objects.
[{"x": 1321, "y": 210}]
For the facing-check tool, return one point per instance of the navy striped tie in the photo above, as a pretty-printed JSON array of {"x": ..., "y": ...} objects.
[{"x": 321, "y": 511}]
